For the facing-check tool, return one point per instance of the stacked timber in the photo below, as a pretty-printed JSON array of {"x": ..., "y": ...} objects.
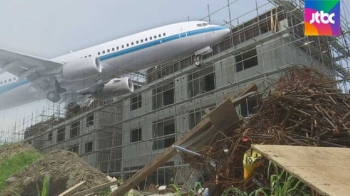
[{"x": 305, "y": 109}]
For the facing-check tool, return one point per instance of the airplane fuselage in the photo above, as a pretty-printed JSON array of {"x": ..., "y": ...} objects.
[{"x": 129, "y": 54}]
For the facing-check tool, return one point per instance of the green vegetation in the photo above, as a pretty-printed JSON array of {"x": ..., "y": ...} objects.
[
  {"x": 192, "y": 192},
  {"x": 15, "y": 163},
  {"x": 281, "y": 184},
  {"x": 46, "y": 186}
]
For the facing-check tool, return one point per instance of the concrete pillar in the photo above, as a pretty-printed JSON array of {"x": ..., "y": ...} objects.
[
  {"x": 181, "y": 88},
  {"x": 224, "y": 72}
]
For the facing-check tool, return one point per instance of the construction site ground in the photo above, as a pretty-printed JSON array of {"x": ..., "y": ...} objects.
[
  {"x": 65, "y": 168},
  {"x": 302, "y": 108}
]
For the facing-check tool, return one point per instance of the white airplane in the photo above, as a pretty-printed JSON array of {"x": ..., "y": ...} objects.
[{"x": 95, "y": 70}]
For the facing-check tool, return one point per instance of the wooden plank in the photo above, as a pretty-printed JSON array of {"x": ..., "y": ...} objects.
[
  {"x": 324, "y": 169},
  {"x": 249, "y": 88},
  {"x": 224, "y": 116},
  {"x": 161, "y": 159},
  {"x": 72, "y": 189},
  {"x": 185, "y": 141},
  {"x": 96, "y": 188},
  {"x": 144, "y": 172}
]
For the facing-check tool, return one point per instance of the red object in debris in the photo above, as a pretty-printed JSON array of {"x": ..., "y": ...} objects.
[{"x": 245, "y": 139}]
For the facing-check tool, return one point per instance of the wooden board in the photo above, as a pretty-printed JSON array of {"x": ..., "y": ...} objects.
[
  {"x": 324, "y": 169},
  {"x": 220, "y": 122},
  {"x": 73, "y": 189},
  {"x": 224, "y": 116},
  {"x": 95, "y": 189},
  {"x": 160, "y": 159}
]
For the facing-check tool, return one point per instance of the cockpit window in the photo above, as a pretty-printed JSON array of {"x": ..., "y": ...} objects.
[
  {"x": 199, "y": 25},
  {"x": 204, "y": 24}
]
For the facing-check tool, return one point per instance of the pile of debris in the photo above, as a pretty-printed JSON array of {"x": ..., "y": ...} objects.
[
  {"x": 65, "y": 168},
  {"x": 304, "y": 109},
  {"x": 9, "y": 150}
]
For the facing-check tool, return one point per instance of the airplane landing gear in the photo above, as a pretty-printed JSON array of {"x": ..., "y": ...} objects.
[
  {"x": 73, "y": 107},
  {"x": 198, "y": 61},
  {"x": 54, "y": 95},
  {"x": 199, "y": 55}
]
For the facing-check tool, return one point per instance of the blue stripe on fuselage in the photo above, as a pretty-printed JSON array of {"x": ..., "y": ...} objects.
[
  {"x": 8, "y": 87},
  {"x": 160, "y": 41}
]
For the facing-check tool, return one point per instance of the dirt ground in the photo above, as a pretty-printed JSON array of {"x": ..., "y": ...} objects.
[
  {"x": 11, "y": 149},
  {"x": 65, "y": 169}
]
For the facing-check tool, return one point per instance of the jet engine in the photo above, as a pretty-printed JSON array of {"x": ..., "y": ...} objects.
[
  {"x": 119, "y": 84},
  {"x": 81, "y": 69}
]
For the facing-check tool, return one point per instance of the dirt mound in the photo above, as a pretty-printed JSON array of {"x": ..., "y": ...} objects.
[
  {"x": 11, "y": 149},
  {"x": 65, "y": 169}
]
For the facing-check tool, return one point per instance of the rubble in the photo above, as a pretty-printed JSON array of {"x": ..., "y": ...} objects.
[
  {"x": 15, "y": 148},
  {"x": 66, "y": 170},
  {"x": 304, "y": 109}
]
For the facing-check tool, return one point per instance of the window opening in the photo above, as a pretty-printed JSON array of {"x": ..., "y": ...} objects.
[
  {"x": 74, "y": 148},
  {"x": 135, "y": 102},
  {"x": 74, "y": 129},
  {"x": 90, "y": 120},
  {"x": 88, "y": 147},
  {"x": 246, "y": 60},
  {"x": 163, "y": 129},
  {"x": 201, "y": 81},
  {"x": 61, "y": 134},
  {"x": 135, "y": 135}
]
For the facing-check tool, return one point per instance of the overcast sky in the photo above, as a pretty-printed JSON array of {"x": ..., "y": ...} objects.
[{"x": 52, "y": 28}]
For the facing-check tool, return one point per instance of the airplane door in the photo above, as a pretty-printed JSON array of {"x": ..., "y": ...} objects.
[{"x": 182, "y": 32}]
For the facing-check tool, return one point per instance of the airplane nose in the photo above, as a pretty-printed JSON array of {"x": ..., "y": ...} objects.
[
  {"x": 227, "y": 30},
  {"x": 222, "y": 29}
]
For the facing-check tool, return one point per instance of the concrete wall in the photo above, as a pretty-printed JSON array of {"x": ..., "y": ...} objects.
[{"x": 113, "y": 125}]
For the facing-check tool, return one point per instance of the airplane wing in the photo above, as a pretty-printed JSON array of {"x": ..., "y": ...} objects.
[{"x": 38, "y": 71}]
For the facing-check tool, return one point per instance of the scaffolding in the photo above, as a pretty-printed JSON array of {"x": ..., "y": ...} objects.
[{"x": 121, "y": 135}]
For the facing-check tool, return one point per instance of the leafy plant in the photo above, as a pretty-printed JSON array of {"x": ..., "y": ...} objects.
[
  {"x": 46, "y": 186},
  {"x": 120, "y": 181},
  {"x": 235, "y": 191},
  {"x": 177, "y": 189},
  {"x": 281, "y": 184},
  {"x": 193, "y": 192},
  {"x": 105, "y": 192}
]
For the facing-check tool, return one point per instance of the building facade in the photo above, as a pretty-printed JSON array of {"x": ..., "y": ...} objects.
[{"x": 122, "y": 136}]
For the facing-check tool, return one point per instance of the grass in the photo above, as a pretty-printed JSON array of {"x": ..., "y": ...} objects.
[
  {"x": 281, "y": 184},
  {"x": 45, "y": 191},
  {"x": 193, "y": 192},
  {"x": 14, "y": 164}
]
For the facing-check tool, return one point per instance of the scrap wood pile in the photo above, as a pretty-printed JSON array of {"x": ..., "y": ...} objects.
[{"x": 305, "y": 108}]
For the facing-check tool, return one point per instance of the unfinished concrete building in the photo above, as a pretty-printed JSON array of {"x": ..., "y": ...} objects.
[{"x": 121, "y": 136}]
